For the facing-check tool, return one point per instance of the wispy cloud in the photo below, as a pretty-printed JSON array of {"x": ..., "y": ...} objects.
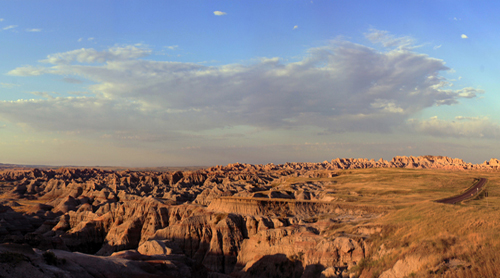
[
  {"x": 90, "y": 55},
  {"x": 72, "y": 80},
  {"x": 295, "y": 27},
  {"x": 28, "y": 71},
  {"x": 219, "y": 13},
  {"x": 172, "y": 47},
  {"x": 478, "y": 127},
  {"x": 437, "y": 46},
  {"x": 80, "y": 39},
  {"x": 8, "y": 85},
  {"x": 468, "y": 92},
  {"x": 34, "y": 30},
  {"x": 1, "y": 19},
  {"x": 464, "y": 36},
  {"x": 45, "y": 94},
  {"x": 389, "y": 40},
  {"x": 9, "y": 27}
]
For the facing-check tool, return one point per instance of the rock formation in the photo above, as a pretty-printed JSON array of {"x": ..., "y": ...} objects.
[{"x": 239, "y": 220}]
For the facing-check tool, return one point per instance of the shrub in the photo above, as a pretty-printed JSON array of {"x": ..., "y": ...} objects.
[
  {"x": 50, "y": 257},
  {"x": 11, "y": 257}
]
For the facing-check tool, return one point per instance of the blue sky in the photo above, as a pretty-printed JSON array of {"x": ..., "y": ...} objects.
[{"x": 172, "y": 83}]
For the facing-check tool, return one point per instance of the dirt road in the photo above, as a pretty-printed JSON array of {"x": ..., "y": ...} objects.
[{"x": 473, "y": 191}]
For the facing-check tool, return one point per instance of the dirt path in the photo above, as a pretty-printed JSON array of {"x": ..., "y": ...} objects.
[{"x": 473, "y": 191}]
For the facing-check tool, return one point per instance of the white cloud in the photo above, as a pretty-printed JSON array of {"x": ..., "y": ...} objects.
[
  {"x": 437, "y": 46},
  {"x": 464, "y": 36},
  {"x": 90, "y": 39},
  {"x": 8, "y": 85},
  {"x": 295, "y": 27},
  {"x": 90, "y": 55},
  {"x": 80, "y": 39},
  {"x": 469, "y": 92},
  {"x": 44, "y": 94},
  {"x": 460, "y": 118},
  {"x": 87, "y": 113},
  {"x": 387, "y": 106},
  {"x": 336, "y": 88},
  {"x": 388, "y": 40},
  {"x": 1, "y": 19},
  {"x": 34, "y": 30},
  {"x": 9, "y": 27},
  {"x": 28, "y": 71},
  {"x": 172, "y": 47},
  {"x": 479, "y": 127},
  {"x": 219, "y": 13}
]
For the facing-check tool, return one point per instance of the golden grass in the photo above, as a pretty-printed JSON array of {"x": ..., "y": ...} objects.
[
  {"x": 394, "y": 186},
  {"x": 418, "y": 226}
]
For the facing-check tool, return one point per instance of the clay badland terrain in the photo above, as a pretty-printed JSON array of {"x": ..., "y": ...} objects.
[{"x": 343, "y": 218}]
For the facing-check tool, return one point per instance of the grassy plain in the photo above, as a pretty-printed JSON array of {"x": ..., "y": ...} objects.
[{"x": 435, "y": 233}]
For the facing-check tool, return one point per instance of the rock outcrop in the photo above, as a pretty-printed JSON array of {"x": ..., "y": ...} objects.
[{"x": 241, "y": 220}]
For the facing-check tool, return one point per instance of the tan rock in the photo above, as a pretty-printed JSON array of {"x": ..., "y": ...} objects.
[
  {"x": 154, "y": 247},
  {"x": 329, "y": 272},
  {"x": 405, "y": 267}
]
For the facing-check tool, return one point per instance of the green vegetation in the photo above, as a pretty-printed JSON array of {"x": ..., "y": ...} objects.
[
  {"x": 51, "y": 258},
  {"x": 13, "y": 258}
]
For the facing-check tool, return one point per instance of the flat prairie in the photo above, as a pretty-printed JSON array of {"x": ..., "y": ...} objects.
[{"x": 417, "y": 226}]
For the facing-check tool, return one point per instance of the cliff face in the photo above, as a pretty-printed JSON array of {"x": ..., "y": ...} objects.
[{"x": 233, "y": 219}]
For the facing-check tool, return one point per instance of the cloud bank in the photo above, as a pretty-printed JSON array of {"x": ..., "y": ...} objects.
[
  {"x": 471, "y": 127},
  {"x": 339, "y": 87}
]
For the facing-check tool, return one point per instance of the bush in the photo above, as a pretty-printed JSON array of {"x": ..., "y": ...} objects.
[
  {"x": 50, "y": 257},
  {"x": 11, "y": 257}
]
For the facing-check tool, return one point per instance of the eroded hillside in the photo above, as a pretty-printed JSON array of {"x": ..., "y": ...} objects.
[{"x": 346, "y": 217}]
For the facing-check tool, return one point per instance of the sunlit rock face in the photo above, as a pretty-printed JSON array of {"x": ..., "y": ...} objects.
[{"x": 240, "y": 220}]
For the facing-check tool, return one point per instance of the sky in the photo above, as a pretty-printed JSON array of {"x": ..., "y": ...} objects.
[{"x": 184, "y": 83}]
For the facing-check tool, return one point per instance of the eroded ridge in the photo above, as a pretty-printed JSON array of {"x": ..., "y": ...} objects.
[{"x": 286, "y": 220}]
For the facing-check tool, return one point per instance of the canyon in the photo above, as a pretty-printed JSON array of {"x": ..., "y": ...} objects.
[{"x": 239, "y": 220}]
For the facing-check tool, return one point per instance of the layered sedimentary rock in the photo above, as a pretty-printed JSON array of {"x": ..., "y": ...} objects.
[{"x": 237, "y": 220}]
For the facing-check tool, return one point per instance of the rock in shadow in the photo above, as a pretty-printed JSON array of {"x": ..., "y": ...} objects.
[{"x": 278, "y": 265}]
